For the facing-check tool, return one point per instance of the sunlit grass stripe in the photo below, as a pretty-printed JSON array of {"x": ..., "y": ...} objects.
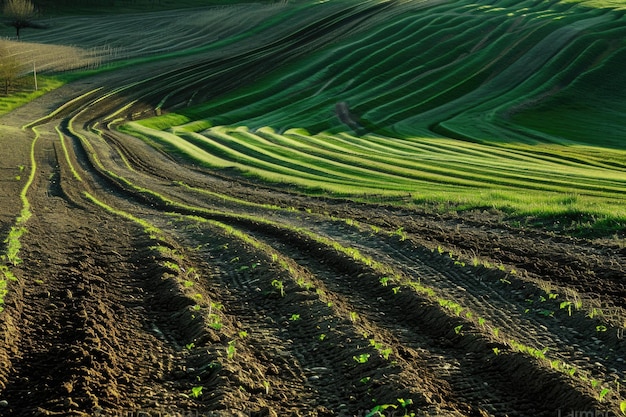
[
  {"x": 365, "y": 172},
  {"x": 482, "y": 171}
]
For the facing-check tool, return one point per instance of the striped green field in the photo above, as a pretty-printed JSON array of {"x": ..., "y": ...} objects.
[{"x": 513, "y": 105}]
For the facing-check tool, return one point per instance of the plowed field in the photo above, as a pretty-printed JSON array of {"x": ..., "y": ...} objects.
[{"x": 143, "y": 282}]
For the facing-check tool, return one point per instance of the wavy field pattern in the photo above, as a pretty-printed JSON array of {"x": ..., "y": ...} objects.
[
  {"x": 323, "y": 209},
  {"x": 429, "y": 97}
]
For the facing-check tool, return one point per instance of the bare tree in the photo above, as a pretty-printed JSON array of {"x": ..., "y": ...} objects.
[
  {"x": 10, "y": 70},
  {"x": 20, "y": 14}
]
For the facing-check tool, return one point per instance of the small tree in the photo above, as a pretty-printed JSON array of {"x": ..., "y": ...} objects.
[
  {"x": 20, "y": 15},
  {"x": 10, "y": 70}
]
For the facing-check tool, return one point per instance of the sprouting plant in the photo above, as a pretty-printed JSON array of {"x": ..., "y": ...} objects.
[
  {"x": 230, "y": 350},
  {"x": 187, "y": 283},
  {"x": 622, "y": 407},
  {"x": 603, "y": 393},
  {"x": 322, "y": 336},
  {"x": 400, "y": 232},
  {"x": 385, "y": 353},
  {"x": 440, "y": 250},
  {"x": 458, "y": 328},
  {"x": 384, "y": 281},
  {"x": 481, "y": 321},
  {"x": 552, "y": 295},
  {"x": 235, "y": 259},
  {"x": 279, "y": 286},
  {"x": 362, "y": 358},
  {"x": 354, "y": 316},
  {"x": 365, "y": 380},
  {"x": 568, "y": 305},
  {"x": 404, "y": 403},
  {"x": 216, "y": 322},
  {"x": 294, "y": 317},
  {"x": 496, "y": 331},
  {"x": 266, "y": 384},
  {"x": 496, "y": 350},
  {"x": 196, "y": 391},
  {"x": 243, "y": 334},
  {"x": 190, "y": 346},
  {"x": 396, "y": 290},
  {"x": 601, "y": 328}
]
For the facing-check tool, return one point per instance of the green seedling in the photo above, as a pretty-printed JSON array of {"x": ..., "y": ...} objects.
[
  {"x": 196, "y": 391},
  {"x": 322, "y": 337},
  {"x": 243, "y": 334},
  {"x": 385, "y": 353},
  {"x": 353, "y": 316},
  {"x": 365, "y": 380},
  {"x": 190, "y": 346},
  {"x": 362, "y": 358},
  {"x": 279, "y": 286},
  {"x": 294, "y": 317},
  {"x": 603, "y": 393},
  {"x": 404, "y": 403},
  {"x": 458, "y": 328},
  {"x": 622, "y": 407},
  {"x": 384, "y": 281},
  {"x": 496, "y": 350},
  {"x": 231, "y": 350},
  {"x": 568, "y": 305}
]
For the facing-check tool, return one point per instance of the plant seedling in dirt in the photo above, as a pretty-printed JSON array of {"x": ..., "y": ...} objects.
[
  {"x": 362, "y": 358},
  {"x": 458, "y": 328},
  {"x": 196, "y": 391},
  {"x": 353, "y": 316},
  {"x": 322, "y": 337},
  {"x": 266, "y": 385},
  {"x": 384, "y": 281},
  {"x": 568, "y": 305},
  {"x": 279, "y": 286},
  {"x": 496, "y": 351},
  {"x": 190, "y": 346},
  {"x": 385, "y": 353},
  {"x": 365, "y": 380},
  {"x": 404, "y": 403},
  {"x": 396, "y": 290},
  {"x": 603, "y": 393},
  {"x": 622, "y": 407},
  {"x": 230, "y": 350},
  {"x": 601, "y": 328},
  {"x": 243, "y": 334},
  {"x": 294, "y": 317}
]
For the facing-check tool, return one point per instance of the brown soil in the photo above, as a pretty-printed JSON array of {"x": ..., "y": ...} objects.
[{"x": 108, "y": 317}]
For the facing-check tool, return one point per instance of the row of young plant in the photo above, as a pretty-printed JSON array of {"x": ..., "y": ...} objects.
[
  {"x": 12, "y": 241},
  {"x": 572, "y": 303}
]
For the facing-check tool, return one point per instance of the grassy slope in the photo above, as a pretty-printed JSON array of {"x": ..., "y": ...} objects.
[{"x": 517, "y": 105}]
